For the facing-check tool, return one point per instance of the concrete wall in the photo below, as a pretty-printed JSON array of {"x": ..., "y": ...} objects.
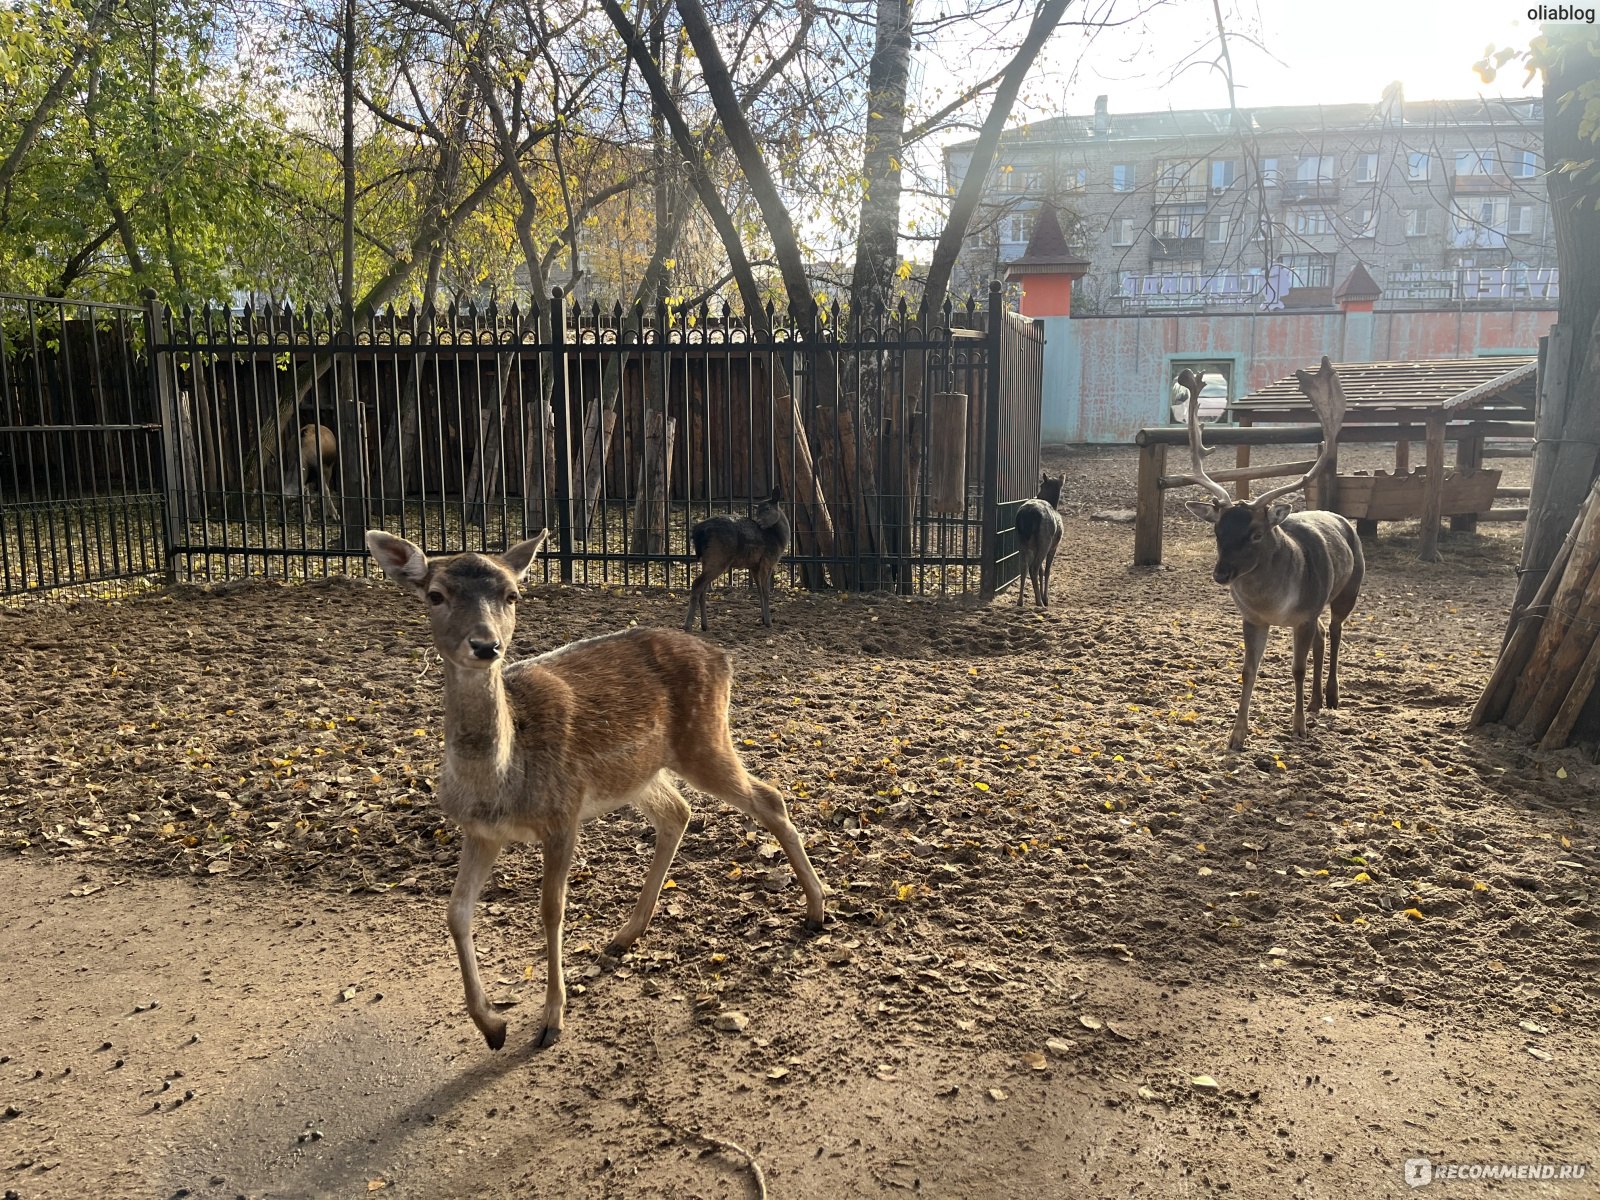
[{"x": 1105, "y": 377}]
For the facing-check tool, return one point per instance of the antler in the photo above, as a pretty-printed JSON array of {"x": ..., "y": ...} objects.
[
  {"x": 1327, "y": 397},
  {"x": 1191, "y": 383}
]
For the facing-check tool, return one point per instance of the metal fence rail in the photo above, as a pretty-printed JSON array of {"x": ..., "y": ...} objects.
[{"x": 227, "y": 443}]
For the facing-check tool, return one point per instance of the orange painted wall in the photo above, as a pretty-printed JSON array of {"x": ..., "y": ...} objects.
[{"x": 1046, "y": 296}]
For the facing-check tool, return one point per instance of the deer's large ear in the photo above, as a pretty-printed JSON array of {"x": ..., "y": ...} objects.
[
  {"x": 520, "y": 557},
  {"x": 1205, "y": 510},
  {"x": 1277, "y": 513},
  {"x": 777, "y": 494},
  {"x": 400, "y": 560}
]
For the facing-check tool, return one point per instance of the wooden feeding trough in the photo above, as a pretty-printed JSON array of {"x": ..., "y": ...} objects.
[{"x": 1401, "y": 496}]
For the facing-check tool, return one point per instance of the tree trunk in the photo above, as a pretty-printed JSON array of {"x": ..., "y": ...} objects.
[{"x": 878, "y": 237}]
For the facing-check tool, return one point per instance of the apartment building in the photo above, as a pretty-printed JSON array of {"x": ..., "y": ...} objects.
[{"x": 1443, "y": 202}]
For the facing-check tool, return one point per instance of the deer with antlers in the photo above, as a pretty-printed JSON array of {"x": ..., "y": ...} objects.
[{"x": 1283, "y": 568}]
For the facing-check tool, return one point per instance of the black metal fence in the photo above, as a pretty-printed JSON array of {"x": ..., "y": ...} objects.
[
  {"x": 269, "y": 440},
  {"x": 80, "y": 447}
]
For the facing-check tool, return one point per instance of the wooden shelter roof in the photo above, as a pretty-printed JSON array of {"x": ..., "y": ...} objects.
[{"x": 1455, "y": 385}]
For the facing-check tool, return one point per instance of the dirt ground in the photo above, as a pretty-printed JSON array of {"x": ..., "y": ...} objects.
[{"x": 1076, "y": 947}]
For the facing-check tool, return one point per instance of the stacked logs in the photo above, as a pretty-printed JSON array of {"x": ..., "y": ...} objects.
[{"x": 1544, "y": 682}]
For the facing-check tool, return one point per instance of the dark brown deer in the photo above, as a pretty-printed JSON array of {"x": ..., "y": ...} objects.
[
  {"x": 535, "y": 748},
  {"x": 1038, "y": 528},
  {"x": 723, "y": 544},
  {"x": 1283, "y": 568}
]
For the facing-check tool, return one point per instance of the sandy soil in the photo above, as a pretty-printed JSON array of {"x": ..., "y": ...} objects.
[{"x": 1058, "y": 900}]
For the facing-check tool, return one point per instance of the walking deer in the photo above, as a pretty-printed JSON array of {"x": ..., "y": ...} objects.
[
  {"x": 1283, "y": 568},
  {"x": 722, "y": 544},
  {"x": 319, "y": 452},
  {"x": 1038, "y": 527},
  {"x": 533, "y": 749}
]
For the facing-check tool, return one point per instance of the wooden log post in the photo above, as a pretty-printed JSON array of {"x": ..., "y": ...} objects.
[
  {"x": 1525, "y": 627},
  {"x": 1241, "y": 460},
  {"x": 1563, "y": 602},
  {"x": 1557, "y": 681},
  {"x": 1469, "y": 457},
  {"x": 598, "y": 424},
  {"x": 655, "y": 480},
  {"x": 947, "y": 454},
  {"x": 811, "y": 518},
  {"x": 1578, "y": 697},
  {"x": 1433, "y": 491},
  {"x": 1402, "y": 457},
  {"x": 1150, "y": 506},
  {"x": 355, "y": 517}
]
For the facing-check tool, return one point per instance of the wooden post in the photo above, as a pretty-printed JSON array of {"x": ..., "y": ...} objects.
[
  {"x": 1433, "y": 490},
  {"x": 1564, "y": 599},
  {"x": 1241, "y": 459},
  {"x": 1402, "y": 457},
  {"x": 1557, "y": 680},
  {"x": 655, "y": 477},
  {"x": 1469, "y": 457},
  {"x": 1147, "y": 525},
  {"x": 597, "y": 431},
  {"x": 177, "y": 463},
  {"x": 1560, "y": 731},
  {"x": 947, "y": 453},
  {"x": 354, "y": 518}
]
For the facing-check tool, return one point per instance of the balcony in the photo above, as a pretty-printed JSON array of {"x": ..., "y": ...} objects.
[
  {"x": 1310, "y": 191},
  {"x": 1180, "y": 194},
  {"x": 1165, "y": 248},
  {"x": 1480, "y": 185}
]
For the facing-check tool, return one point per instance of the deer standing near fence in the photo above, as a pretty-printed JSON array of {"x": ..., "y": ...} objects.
[
  {"x": 722, "y": 544},
  {"x": 1038, "y": 528},
  {"x": 1283, "y": 568},
  {"x": 319, "y": 452},
  {"x": 535, "y": 748}
]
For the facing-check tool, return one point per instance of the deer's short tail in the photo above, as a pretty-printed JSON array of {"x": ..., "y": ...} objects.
[{"x": 701, "y": 537}]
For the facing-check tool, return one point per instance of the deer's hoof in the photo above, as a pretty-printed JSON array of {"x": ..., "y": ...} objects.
[
  {"x": 1236, "y": 743},
  {"x": 549, "y": 1036},
  {"x": 494, "y": 1034}
]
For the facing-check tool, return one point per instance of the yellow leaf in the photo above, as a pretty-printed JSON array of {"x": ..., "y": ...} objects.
[
  {"x": 377, "y": 1185},
  {"x": 972, "y": 670},
  {"x": 1361, "y": 877},
  {"x": 1566, "y": 842},
  {"x": 1414, "y": 913},
  {"x": 1561, "y": 772},
  {"x": 669, "y": 884},
  {"x": 1479, "y": 885},
  {"x": 981, "y": 786},
  {"x": 904, "y": 891},
  {"x": 736, "y": 872}
]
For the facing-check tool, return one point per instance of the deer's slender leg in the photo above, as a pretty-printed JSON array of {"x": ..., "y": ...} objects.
[
  {"x": 764, "y": 587},
  {"x": 1316, "y": 667},
  {"x": 1303, "y": 637},
  {"x": 477, "y": 860},
  {"x": 1255, "y": 644},
  {"x": 558, "y": 851},
  {"x": 1024, "y": 579},
  {"x": 723, "y": 775},
  {"x": 697, "y": 596},
  {"x": 669, "y": 815},
  {"x": 1335, "y": 631},
  {"x": 1049, "y": 570}
]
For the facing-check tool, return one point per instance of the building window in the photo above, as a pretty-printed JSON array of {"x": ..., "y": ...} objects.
[
  {"x": 1223, "y": 171},
  {"x": 1309, "y": 270},
  {"x": 1271, "y": 176},
  {"x": 1419, "y": 166},
  {"x": 1179, "y": 224},
  {"x": 1175, "y": 173},
  {"x": 1122, "y": 231},
  {"x": 1217, "y": 230},
  {"x": 1075, "y": 179},
  {"x": 1416, "y": 222},
  {"x": 1367, "y": 168},
  {"x": 1018, "y": 227},
  {"x": 1316, "y": 168},
  {"x": 1366, "y": 223},
  {"x": 1311, "y": 221},
  {"x": 1521, "y": 220},
  {"x": 1183, "y": 266},
  {"x": 1475, "y": 162},
  {"x": 1122, "y": 177},
  {"x": 1523, "y": 164}
]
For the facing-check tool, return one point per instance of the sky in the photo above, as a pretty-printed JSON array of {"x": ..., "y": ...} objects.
[{"x": 1343, "y": 51}]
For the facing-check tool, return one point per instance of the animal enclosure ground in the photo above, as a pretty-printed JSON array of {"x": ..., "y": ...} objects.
[{"x": 1058, "y": 900}]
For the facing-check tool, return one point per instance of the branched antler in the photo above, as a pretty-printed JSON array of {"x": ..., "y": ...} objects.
[
  {"x": 1190, "y": 382},
  {"x": 1323, "y": 389}
]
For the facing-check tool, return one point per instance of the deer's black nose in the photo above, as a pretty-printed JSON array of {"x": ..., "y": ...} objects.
[{"x": 488, "y": 651}]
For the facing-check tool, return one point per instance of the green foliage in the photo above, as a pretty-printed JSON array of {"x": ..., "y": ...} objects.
[{"x": 1573, "y": 52}]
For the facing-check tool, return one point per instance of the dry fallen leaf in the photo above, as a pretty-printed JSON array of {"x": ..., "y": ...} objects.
[
  {"x": 1034, "y": 1060},
  {"x": 1060, "y": 1047},
  {"x": 1204, "y": 1083},
  {"x": 1089, "y": 1022},
  {"x": 997, "y": 1094}
]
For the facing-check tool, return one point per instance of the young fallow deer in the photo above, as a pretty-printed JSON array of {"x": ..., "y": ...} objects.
[
  {"x": 1283, "y": 568},
  {"x": 535, "y": 748},
  {"x": 319, "y": 453},
  {"x": 1038, "y": 528},
  {"x": 723, "y": 544}
]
